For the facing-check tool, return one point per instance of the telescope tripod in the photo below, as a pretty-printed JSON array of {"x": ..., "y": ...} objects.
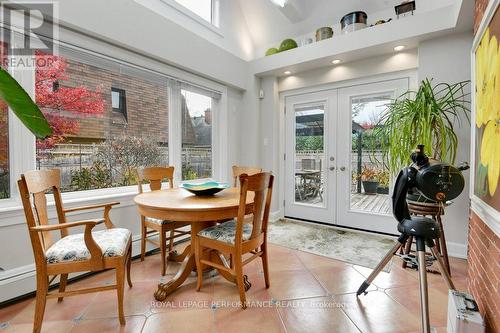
[{"x": 424, "y": 231}]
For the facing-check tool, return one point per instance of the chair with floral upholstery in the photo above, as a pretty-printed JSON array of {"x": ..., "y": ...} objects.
[
  {"x": 155, "y": 176},
  {"x": 237, "y": 237},
  {"x": 88, "y": 251}
]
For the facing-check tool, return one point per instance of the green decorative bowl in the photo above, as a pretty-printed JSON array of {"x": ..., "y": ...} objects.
[
  {"x": 288, "y": 44},
  {"x": 207, "y": 188}
]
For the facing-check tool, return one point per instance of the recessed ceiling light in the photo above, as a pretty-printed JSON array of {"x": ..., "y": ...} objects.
[
  {"x": 336, "y": 61},
  {"x": 288, "y": 72},
  {"x": 399, "y": 48}
]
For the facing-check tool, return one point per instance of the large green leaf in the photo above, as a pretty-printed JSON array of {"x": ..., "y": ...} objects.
[{"x": 23, "y": 106}]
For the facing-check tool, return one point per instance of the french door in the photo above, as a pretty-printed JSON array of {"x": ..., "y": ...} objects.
[
  {"x": 330, "y": 148},
  {"x": 310, "y": 156}
]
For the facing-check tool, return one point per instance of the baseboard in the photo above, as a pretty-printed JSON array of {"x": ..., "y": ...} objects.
[
  {"x": 275, "y": 216},
  {"x": 457, "y": 250}
]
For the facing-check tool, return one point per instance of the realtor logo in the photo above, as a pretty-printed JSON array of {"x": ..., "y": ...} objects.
[{"x": 29, "y": 29}]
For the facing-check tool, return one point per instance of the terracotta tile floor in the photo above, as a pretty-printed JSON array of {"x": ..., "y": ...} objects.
[{"x": 308, "y": 293}]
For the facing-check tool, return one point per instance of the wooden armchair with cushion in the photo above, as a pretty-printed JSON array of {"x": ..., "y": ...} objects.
[
  {"x": 155, "y": 176},
  {"x": 237, "y": 238},
  {"x": 81, "y": 252}
]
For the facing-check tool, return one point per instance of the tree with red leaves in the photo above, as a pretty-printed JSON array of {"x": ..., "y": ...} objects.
[{"x": 62, "y": 106}]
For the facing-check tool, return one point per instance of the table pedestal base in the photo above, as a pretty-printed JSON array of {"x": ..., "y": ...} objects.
[{"x": 189, "y": 264}]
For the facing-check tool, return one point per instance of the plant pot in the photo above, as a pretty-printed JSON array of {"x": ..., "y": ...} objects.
[
  {"x": 383, "y": 190},
  {"x": 370, "y": 186}
]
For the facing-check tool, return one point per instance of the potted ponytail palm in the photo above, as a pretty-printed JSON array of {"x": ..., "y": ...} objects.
[
  {"x": 23, "y": 106},
  {"x": 427, "y": 116}
]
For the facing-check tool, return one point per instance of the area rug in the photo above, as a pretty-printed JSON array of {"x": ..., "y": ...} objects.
[{"x": 359, "y": 248}]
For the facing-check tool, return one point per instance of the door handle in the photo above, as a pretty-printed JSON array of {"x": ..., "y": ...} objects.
[
  {"x": 342, "y": 168},
  {"x": 332, "y": 168}
]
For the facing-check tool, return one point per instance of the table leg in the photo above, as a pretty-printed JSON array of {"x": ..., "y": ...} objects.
[
  {"x": 165, "y": 289},
  {"x": 187, "y": 266}
]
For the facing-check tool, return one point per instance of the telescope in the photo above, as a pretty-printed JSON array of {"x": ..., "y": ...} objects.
[{"x": 428, "y": 181}]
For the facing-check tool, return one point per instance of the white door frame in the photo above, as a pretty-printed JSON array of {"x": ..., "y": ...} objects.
[
  {"x": 326, "y": 212},
  {"x": 410, "y": 75}
]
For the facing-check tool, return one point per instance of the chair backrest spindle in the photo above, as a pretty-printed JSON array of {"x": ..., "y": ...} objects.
[
  {"x": 262, "y": 185},
  {"x": 155, "y": 176}
]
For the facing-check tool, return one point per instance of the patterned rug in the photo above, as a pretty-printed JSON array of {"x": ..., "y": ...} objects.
[{"x": 359, "y": 248}]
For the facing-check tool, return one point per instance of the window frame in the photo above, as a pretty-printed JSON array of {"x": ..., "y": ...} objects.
[
  {"x": 22, "y": 141},
  {"x": 122, "y": 100},
  {"x": 214, "y": 25}
]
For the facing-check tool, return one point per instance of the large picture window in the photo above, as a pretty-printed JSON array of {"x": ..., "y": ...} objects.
[
  {"x": 108, "y": 118},
  {"x": 96, "y": 142}
]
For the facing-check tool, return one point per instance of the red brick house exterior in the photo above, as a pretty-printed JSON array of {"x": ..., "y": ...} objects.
[{"x": 146, "y": 105}]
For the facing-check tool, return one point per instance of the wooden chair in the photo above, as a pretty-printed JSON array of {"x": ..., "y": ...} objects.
[
  {"x": 155, "y": 176},
  {"x": 237, "y": 238},
  {"x": 240, "y": 170},
  {"x": 88, "y": 251}
]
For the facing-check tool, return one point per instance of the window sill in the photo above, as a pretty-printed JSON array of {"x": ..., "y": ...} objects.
[{"x": 10, "y": 208}]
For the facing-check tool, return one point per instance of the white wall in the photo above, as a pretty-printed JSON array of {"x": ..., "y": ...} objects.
[
  {"x": 269, "y": 135},
  {"x": 232, "y": 34},
  {"x": 447, "y": 59}
]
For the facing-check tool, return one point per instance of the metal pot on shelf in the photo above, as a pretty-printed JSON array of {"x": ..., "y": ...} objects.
[
  {"x": 353, "y": 21},
  {"x": 324, "y": 33}
]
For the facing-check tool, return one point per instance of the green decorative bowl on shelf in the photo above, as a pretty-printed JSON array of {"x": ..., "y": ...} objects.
[
  {"x": 207, "y": 188},
  {"x": 271, "y": 51},
  {"x": 288, "y": 44}
]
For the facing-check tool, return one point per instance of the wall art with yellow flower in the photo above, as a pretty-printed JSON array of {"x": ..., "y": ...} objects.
[{"x": 487, "y": 114}]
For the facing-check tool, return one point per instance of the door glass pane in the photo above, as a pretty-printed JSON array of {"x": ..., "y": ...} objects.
[
  {"x": 196, "y": 135},
  {"x": 309, "y": 154},
  {"x": 370, "y": 177}
]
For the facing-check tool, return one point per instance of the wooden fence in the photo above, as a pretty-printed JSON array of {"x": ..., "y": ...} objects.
[{"x": 70, "y": 158}]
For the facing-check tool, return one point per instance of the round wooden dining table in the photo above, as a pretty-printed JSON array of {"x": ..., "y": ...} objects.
[{"x": 200, "y": 212}]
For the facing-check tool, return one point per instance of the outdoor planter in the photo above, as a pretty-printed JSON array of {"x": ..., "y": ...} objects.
[
  {"x": 382, "y": 190},
  {"x": 370, "y": 186}
]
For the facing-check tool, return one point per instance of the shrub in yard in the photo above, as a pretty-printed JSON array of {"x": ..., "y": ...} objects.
[
  {"x": 123, "y": 155},
  {"x": 188, "y": 172},
  {"x": 95, "y": 177},
  {"x": 4, "y": 185}
]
